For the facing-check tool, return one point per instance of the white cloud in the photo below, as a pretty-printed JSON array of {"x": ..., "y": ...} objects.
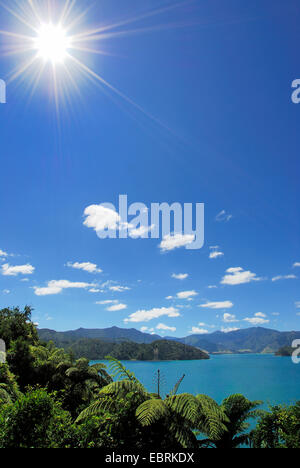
[
  {"x": 296, "y": 264},
  {"x": 100, "y": 218},
  {"x": 229, "y": 329},
  {"x": 135, "y": 233},
  {"x": 56, "y": 287},
  {"x": 169, "y": 298},
  {"x": 117, "y": 307},
  {"x": 198, "y": 331},
  {"x": 6, "y": 291},
  {"x": 107, "y": 302},
  {"x": 95, "y": 290},
  {"x": 118, "y": 288},
  {"x": 223, "y": 216},
  {"x": 212, "y": 286},
  {"x": 146, "y": 329},
  {"x": 3, "y": 254},
  {"x": 238, "y": 275},
  {"x": 175, "y": 241},
  {"x": 260, "y": 314},
  {"x": 8, "y": 270},
  {"x": 276, "y": 314},
  {"x": 186, "y": 294},
  {"x": 258, "y": 319},
  {"x": 180, "y": 276},
  {"x": 162, "y": 326},
  {"x": 283, "y": 277},
  {"x": 147, "y": 315},
  {"x": 229, "y": 318},
  {"x": 217, "y": 305},
  {"x": 297, "y": 304},
  {"x": 216, "y": 254},
  {"x": 85, "y": 266}
]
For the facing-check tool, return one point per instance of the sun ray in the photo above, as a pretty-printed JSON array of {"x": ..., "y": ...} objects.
[
  {"x": 37, "y": 80},
  {"x": 66, "y": 10},
  {"x": 118, "y": 92},
  {"x": 21, "y": 70},
  {"x": 108, "y": 27},
  {"x": 35, "y": 11},
  {"x": 19, "y": 17},
  {"x": 55, "y": 47},
  {"x": 78, "y": 18},
  {"x": 15, "y": 35},
  {"x": 132, "y": 32}
]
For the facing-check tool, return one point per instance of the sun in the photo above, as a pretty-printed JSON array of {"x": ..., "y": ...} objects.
[
  {"x": 53, "y": 32},
  {"x": 52, "y": 43}
]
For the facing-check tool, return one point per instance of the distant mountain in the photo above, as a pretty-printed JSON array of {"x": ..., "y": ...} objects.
[
  {"x": 113, "y": 334},
  {"x": 250, "y": 340}
]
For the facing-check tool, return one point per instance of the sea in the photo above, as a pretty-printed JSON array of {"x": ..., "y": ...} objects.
[{"x": 271, "y": 379}]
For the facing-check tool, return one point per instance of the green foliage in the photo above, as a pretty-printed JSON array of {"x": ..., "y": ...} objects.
[
  {"x": 68, "y": 403},
  {"x": 16, "y": 324},
  {"x": 237, "y": 410},
  {"x": 278, "y": 428},
  {"x": 35, "y": 420},
  {"x": 8, "y": 386},
  {"x": 118, "y": 370},
  {"x": 285, "y": 351},
  {"x": 34, "y": 363}
]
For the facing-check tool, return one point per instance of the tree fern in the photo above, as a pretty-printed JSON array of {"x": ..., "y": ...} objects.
[
  {"x": 152, "y": 411},
  {"x": 185, "y": 405},
  {"x": 177, "y": 385},
  {"x": 118, "y": 370},
  {"x": 121, "y": 388},
  {"x": 102, "y": 404},
  {"x": 4, "y": 395}
]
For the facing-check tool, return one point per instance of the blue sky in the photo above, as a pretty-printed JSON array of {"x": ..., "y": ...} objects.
[{"x": 213, "y": 122}]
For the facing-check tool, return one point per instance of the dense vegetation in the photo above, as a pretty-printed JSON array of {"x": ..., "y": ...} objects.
[
  {"x": 163, "y": 350},
  {"x": 50, "y": 399},
  {"x": 286, "y": 351}
]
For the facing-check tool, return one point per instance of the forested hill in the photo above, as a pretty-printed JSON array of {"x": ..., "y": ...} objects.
[
  {"x": 249, "y": 340},
  {"x": 161, "y": 350},
  {"x": 113, "y": 334}
]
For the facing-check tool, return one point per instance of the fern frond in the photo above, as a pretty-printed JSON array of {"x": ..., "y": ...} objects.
[
  {"x": 99, "y": 367},
  {"x": 211, "y": 417},
  {"x": 4, "y": 396},
  {"x": 152, "y": 411},
  {"x": 176, "y": 387},
  {"x": 104, "y": 403},
  {"x": 73, "y": 372},
  {"x": 123, "y": 387},
  {"x": 183, "y": 435},
  {"x": 119, "y": 370},
  {"x": 185, "y": 405}
]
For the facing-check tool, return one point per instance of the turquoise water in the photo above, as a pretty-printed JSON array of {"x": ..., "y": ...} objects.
[{"x": 275, "y": 380}]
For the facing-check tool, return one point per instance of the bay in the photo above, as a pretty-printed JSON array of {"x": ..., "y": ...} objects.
[{"x": 274, "y": 380}]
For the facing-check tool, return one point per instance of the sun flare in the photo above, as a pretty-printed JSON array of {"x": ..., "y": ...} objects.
[
  {"x": 53, "y": 40},
  {"x": 52, "y": 43}
]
